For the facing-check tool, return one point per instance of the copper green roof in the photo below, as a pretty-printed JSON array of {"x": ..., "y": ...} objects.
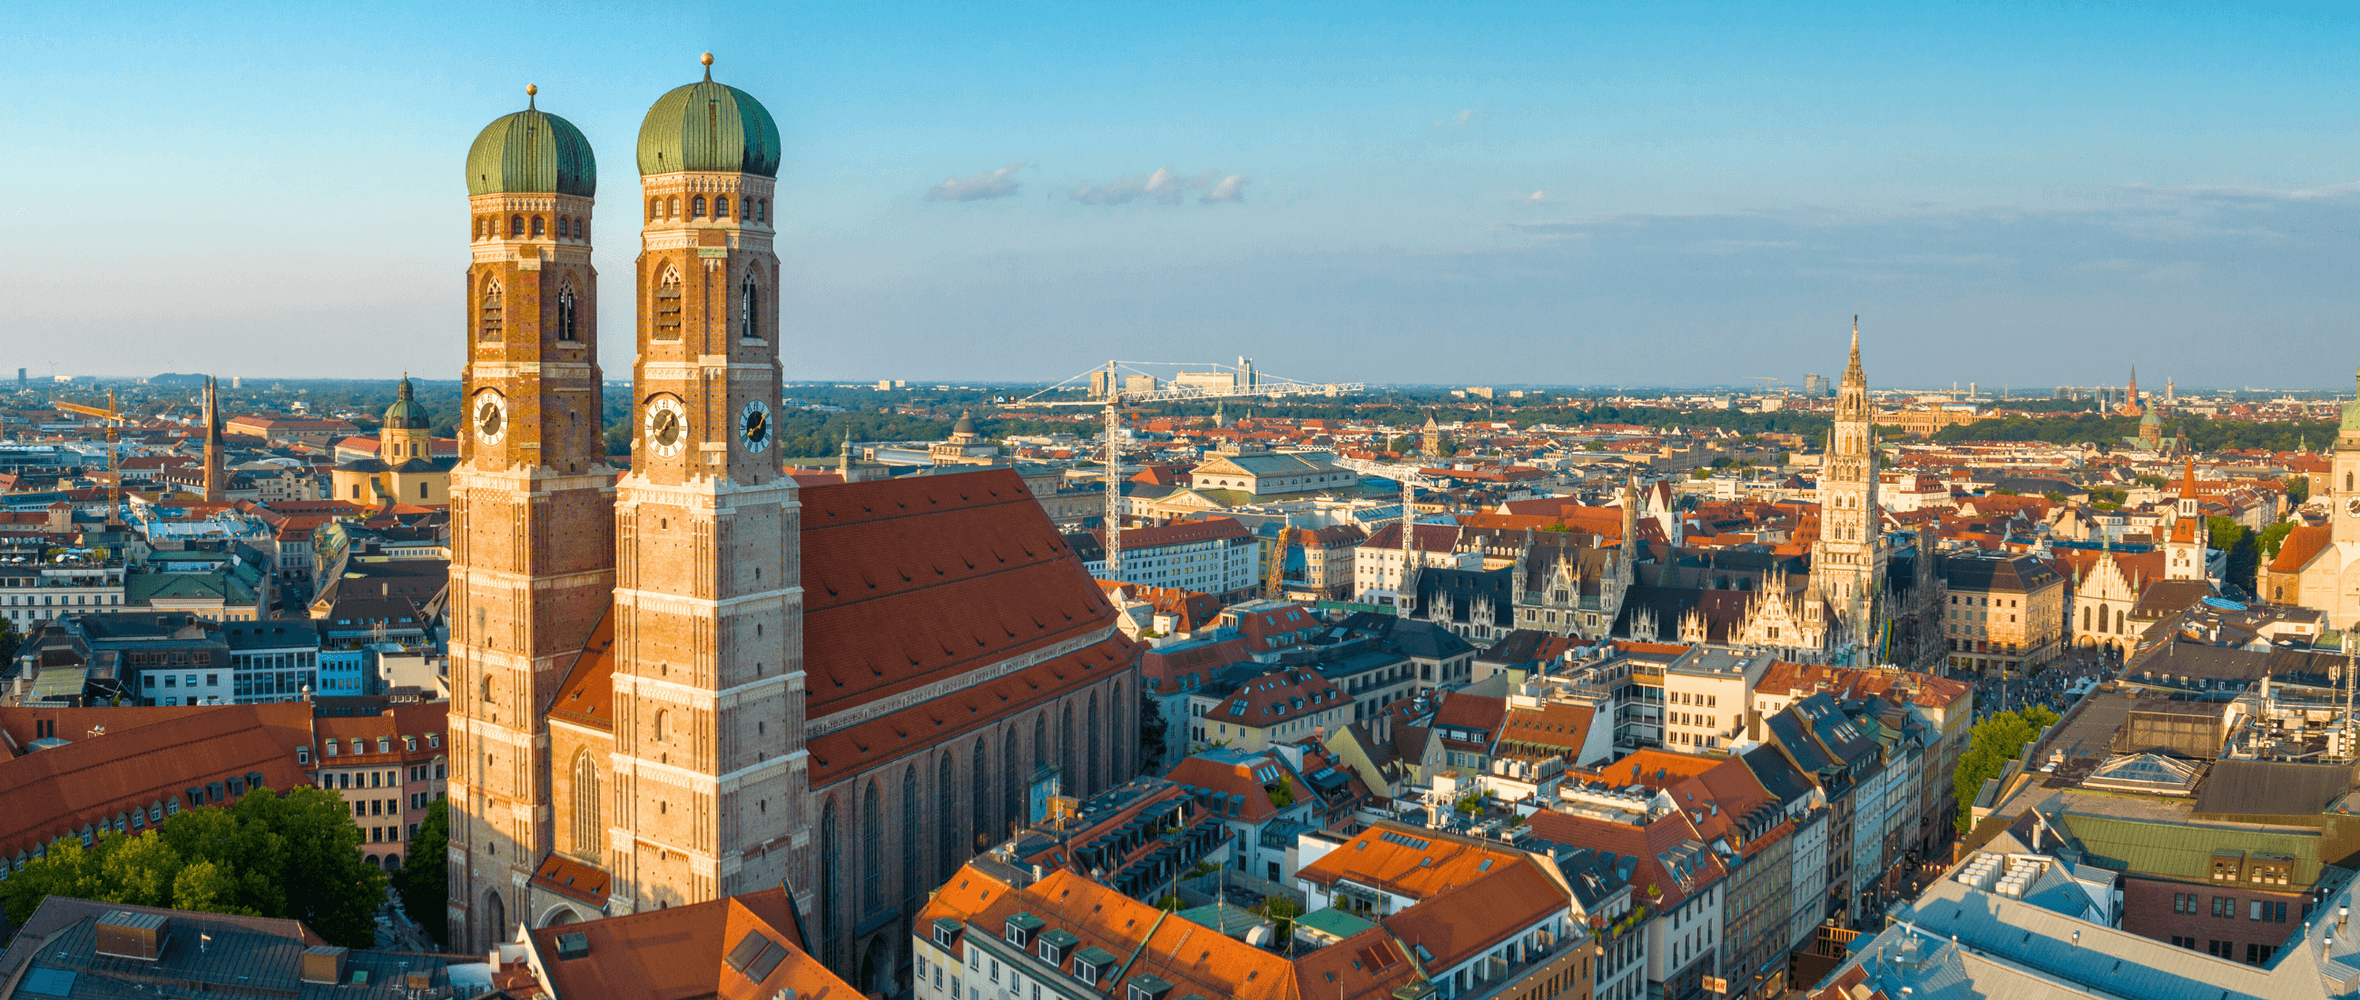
[
  {"x": 2352, "y": 415},
  {"x": 708, "y": 126},
  {"x": 531, "y": 152},
  {"x": 406, "y": 413}
]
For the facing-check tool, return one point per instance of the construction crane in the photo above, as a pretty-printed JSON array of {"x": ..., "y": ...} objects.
[
  {"x": 1277, "y": 564},
  {"x": 114, "y": 421},
  {"x": 1244, "y": 382}
]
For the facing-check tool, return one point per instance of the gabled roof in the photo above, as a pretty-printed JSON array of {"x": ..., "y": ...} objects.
[
  {"x": 129, "y": 757},
  {"x": 910, "y": 581},
  {"x": 737, "y": 948},
  {"x": 2299, "y": 546},
  {"x": 1671, "y": 855},
  {"x": 1556, "y": 725}
]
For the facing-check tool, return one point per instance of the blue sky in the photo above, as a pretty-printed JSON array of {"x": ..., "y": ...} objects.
[{"x": 1562, "y": 194}]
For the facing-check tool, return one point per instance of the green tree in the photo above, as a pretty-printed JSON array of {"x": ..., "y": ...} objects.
[
  {"x": 294, "y": 855},
  {"x": 424, "y": 883},
  {"x": 1990, "y": 746},
  {"x": 1153, "y": 732},
  {"x": 2298, "y": 489},
  {"x": 2272, "y": 537},
  {"x": 9, "y": 641},
  {"x": 2245, "y": 554}
]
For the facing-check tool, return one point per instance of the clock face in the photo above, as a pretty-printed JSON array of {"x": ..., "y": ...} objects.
[
  {"x": 754, "y": 425},
  {"x": 667, "y": 426},
  {"x": 2353, "y": 506},
  {"x": 491, "y": 417}
]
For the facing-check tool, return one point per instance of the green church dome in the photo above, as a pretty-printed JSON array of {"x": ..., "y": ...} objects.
[
  {"x": 708, "y": 126},
  {"x": 2352, "y": 411},
  {"x": 406, "y": 413},
  {"x": 531, "y": 152}
]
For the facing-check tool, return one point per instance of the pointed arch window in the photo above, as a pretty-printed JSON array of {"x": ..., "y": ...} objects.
[
  {"x": 672, "y": 207},
  {"x": 979, "y": 776},
  {"x": 566, "y": 314},
  {"x": 872, "y": 862},
  {"x": 831, "y": 865},
  {"x": 488, "y": 318},
  {"x": 911, "y": 876},
  {"x": 515, "y": 225},
  {"x": 1011, "y": 789},
  {"x": 1092, "y": 750},
  {"x": 589, "y": 832},
  {"x": 667, "y": 305},
  {"x": 946, "y": 794},
  {"x": 1066, "y": 758},
  {"x": 696, "y": 207},
  {"x": 536, "y": 227},
  {"x": 749, "y": 308},
  {"x": 721, "y": 207}
]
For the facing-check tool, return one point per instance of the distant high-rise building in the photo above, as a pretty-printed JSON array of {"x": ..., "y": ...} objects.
[
  {"x": 20, "y": 378},
  {"x": 236, "y": 383},
  {"x": 1815, "y": 386}
]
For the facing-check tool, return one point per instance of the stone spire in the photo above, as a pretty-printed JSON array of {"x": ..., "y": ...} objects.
[{"x": 1852, "y": 373}]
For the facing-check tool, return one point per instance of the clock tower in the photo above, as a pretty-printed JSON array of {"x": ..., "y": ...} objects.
[
  {"x": 709, "y": 769},
  {"x": 532, "y": 554}
]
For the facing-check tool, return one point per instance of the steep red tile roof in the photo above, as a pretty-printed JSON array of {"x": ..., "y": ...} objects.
[
  {"x": 587, "y": 695},
  {"x": 1651, "y": 845},
  {"x": 573, "y": 879},
  {"x": 1148, "y": 941},
  {"x": 1556, "y": 725},
  {"x": 1926, "y": 690},
  {"x": 145, "y": 755},
  {"x": 1276, "y": 697},
  {"x": 679, "y": 953},
  {"x": 2299, "y": 546},
  {"x": 1178, "y": 533},
  {"x": 911, "y": 581},
  {"x": 1429, "y": 538}
]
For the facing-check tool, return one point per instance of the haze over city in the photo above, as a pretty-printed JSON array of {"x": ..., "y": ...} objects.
[{"x": 1660, "y": 195}]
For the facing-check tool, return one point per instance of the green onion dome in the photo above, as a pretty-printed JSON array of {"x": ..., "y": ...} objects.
[
  {"x": 708, "y": 126},
  {"x": 531, "y": 152}
]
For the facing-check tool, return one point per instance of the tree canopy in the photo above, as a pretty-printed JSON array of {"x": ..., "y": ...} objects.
[
  {"x": 294, "y": 855},
  {"x": 424, "y": 883},
  {"x": 1990, "y": 746}
]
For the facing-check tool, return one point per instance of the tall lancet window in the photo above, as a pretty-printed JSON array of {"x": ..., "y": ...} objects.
[
  {"x": 589, "y": 832},
  {"x": 667, "y": 311},
  {"x": 749, "y": 302},
  {"x": 491, "y": 311},
  {"x": 565, "y": 313}
]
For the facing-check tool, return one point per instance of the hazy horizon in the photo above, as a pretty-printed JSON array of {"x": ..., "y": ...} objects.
[{"x": 1663, "y": 196}]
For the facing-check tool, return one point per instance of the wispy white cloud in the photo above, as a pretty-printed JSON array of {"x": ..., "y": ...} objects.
[
  {"x": 1537, "y": 196},
  {"x": 1163, "y": 187},
  {"x": 985, "y": 186}
]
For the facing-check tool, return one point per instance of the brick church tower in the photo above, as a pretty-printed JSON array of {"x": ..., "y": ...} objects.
[
  {"x": 709, "y": 770},
  {"x": 532, "y": 549}
]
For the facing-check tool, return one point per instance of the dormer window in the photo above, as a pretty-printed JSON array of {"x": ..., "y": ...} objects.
[
  {"x": 946, "y": 934},
  {"x": 1147, "y": 988},
  {"x": 1021, "y": 928},
  {"x": 1092, "y": 964},
  {"x": 1057, "y": 944}
]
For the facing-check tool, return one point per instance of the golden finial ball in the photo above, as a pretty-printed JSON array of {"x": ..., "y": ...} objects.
[
  {"x": 707, "y": 59},
  {"x": 530, "y": 90}
]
